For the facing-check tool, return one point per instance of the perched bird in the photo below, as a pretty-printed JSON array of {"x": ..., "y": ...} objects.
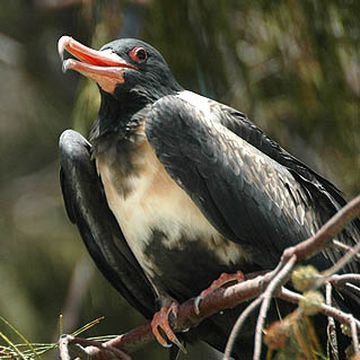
[{"x": 174, "y": 189}]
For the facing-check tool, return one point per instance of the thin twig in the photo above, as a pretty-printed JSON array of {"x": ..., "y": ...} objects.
[
  {"x": 344, "y": 247},
  {"x": 345, "y": 284},
  {"x": 338, "y": 280},
  {"x": 118, "y": 353},
  {"x": 70, "y": 348},
  {"x": 354, "y": 335},
  {"x": 341, "y": 262},
  {"x": 331, "y": 325},
  {"x": 251, "y": 307},
  {"x": 354, "y": 288},
  {"x": 238, "y": 325},
  {"x": 339, "y": 315},
  {"x": 280, "y": 279}
]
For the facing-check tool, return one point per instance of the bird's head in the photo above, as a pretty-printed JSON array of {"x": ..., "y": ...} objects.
[{"x": 122, "y": 67}]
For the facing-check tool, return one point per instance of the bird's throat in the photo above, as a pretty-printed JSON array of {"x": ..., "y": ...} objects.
[{"x": 119, "y": 115}]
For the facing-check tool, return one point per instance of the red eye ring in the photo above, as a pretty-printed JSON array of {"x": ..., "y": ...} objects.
[{"x": 138, "y": 54}]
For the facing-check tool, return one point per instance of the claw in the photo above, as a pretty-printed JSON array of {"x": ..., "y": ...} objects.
[
  {"x": 160, "y": 324},
  {"x": 224, "y": 280}
]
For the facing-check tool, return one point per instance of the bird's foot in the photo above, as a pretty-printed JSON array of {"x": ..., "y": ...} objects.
[
  {"x": 160, "y": 326},
  {"x": 223, "y": 281}
]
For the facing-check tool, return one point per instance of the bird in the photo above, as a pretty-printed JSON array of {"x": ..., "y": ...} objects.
[{"x": 173, "y": 189}]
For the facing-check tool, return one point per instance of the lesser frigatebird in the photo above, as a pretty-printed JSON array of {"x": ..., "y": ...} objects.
[{"x": 173, "y": 188}]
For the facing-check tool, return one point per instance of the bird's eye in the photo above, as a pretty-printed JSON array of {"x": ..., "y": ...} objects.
[{"x": 138, "y": 54}]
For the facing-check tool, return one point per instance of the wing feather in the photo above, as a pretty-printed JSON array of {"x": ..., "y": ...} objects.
[
  {"x": 250, "y": 189},
  {"x": 86, "y": 207}
]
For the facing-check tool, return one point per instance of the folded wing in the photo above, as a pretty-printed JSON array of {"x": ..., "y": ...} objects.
[{"x": 87, "y": 208}]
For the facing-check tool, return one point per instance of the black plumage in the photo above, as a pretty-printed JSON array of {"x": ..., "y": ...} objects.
[
  {"x": 86, "y": 207},
  {"x": 177, "y": 188}
]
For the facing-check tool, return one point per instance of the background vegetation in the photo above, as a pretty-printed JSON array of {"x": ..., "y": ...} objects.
[{"x": 292, "y": 66}]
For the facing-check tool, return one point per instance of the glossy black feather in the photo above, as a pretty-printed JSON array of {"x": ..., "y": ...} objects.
[
  {"x": 321, "y": 193},
  {"x": 250, "y": 189},
  {"x": 87, "y": 208}
]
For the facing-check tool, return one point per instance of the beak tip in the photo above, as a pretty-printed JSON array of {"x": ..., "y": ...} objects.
[
  {"x": 61, "y": 45},
  {"x": 66, "y": 65}
]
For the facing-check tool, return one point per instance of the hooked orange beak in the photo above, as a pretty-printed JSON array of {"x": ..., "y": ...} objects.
[{"x": 105, "y": 67}]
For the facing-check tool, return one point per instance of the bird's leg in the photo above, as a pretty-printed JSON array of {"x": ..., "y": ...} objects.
[
  {"x": 160, "y": 326},
  {"x": 223, "y": 281}
]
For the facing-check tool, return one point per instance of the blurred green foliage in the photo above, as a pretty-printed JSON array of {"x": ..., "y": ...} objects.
[{"x": 292, "y": 66}]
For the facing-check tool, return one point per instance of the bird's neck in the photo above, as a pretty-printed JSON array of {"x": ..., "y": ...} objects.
[{"x": 116, "y": 115}]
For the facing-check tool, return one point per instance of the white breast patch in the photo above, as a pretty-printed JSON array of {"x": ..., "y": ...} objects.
[{"x": 156, "y": 201}]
